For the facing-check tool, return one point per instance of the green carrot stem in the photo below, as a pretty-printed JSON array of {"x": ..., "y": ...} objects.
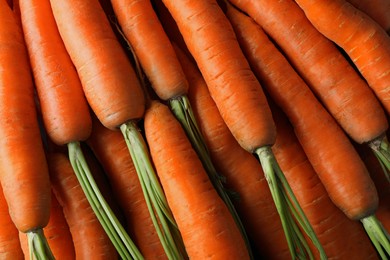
[
  {"x": 38, "y": 246},
  {"x": 115, "y": 231},
  {"x": 160, "y": 212},
  {"x": 380, "y": 147},
  {"x": 378, "y": 235},
  {"x": 290, "y": 212}
]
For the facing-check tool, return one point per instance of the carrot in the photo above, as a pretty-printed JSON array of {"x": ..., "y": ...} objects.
[
  {"x": 24, "y": 176},
  {"x": 368, "y": 46},
  {"x": 376, "y": 9},
  {"x": 9, "y": 240},
  {"x": 57, "y": 232},
  {"x": 206, "y": 225},
  {"x": 341, "y": 237},
  {"x": 317, "y": 58},
  {"x": 327, "y": 147},
  {"x": 63, "y": 105},
  {"x": 111, "y": 150},
  {"x": 234, "y": 88},
  {"x": 114, "y": 93},
  {"x": 154, "y": 51},
  {"x": 89, "y": 238},
  {"x": 242, "y": 171}
]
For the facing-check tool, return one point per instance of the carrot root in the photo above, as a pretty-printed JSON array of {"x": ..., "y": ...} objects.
[
  {"x": 288, "y": 208},
  {"x": 378, "y": 235},
  {"x": 114, "y": 229},
  {"x": 182, "y": 110},
  {"x": 381, "y": 148},
  {"x": 160, "y": 212},
  {"x": 38, "y": 245}
]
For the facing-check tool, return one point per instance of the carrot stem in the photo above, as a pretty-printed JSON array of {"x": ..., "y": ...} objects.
[
  {"x": 291, "y": 214},
  {"x": 160, "y": 212},
  {"x": 380, "y": 147},
  {"x": 182, "y": 110},
  {"x": 39, "y": 247},
  {"x": 115, "y": 231},
  {"x": 378, "y": 235}
]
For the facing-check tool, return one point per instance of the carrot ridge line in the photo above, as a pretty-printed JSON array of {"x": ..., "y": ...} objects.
[
  {"x": 182, "y": 110},
  {"x": 38, "y": 245},
  {"x": 378, "y": 235},
  {"x": 157, "y": 204},
  {"x": 113, "y": 228},
  {"x": 290, "y": 212},
  {"x": 381, "y": 148}
]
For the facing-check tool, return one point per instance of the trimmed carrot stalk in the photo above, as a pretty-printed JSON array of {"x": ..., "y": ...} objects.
[
  {"x": 340, "y": 236},
  {"x": 327, "y": 147},
  {"x": 364, "y": 123},
  {"x": 115, "y": 95},
  {"x": 378, "y": 10},
  {"x": 207, "y": 227},
  {"x": 235, "y": 90},
  {"x": 24, "y": 175},
  {"x": 154, "y": 51},
  {"x": 57, "y": 232},
  {"x": 111, "y": 150},
  {"x": 64, "y": 109},
  {"x": 89, "y": 238},
  {"x": 9, "y": 240},
  {"x": 242, "y": 172}
]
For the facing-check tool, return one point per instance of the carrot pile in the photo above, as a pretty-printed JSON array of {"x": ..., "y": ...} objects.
[{"x": 194, "y": 129}]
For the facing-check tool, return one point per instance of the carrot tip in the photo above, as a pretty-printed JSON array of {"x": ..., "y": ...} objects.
[
  {"x": 290, "y": 212},
  {"x": 38, "y": 245},
  {"x": 378, "y": 235}
]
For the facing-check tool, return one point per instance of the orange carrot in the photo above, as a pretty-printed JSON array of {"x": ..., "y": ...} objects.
[
  {"x": 158, "y": 60},
  {"x": 114, "y": 93},
  {"x": 9, "y": 241},
  {"x": 324, "y": 68},
  {"x": 89, "y": 238},
  {"x": 376, "y": 9},
  {"x": 341, "y": 237},
  {"x": 111, "y": 151},
  {"x": 234, "y": 88},
  {"x": 365, "y": 41},
  {"x": 242, "y": 171},
  {"x": 206, "y": 225},
  {"x": 64, "y": 108},
  {"x": 331, "y": 153},
  {"x": 24, "y": 176},
  {"x": 57, "y": 232}
]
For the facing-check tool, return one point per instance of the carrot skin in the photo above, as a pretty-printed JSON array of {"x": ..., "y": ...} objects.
[
  {"x": 340, "y": 236},
  {"x": 9, "y": 240},
  {"x": 64, "y": 108},
  {"x": 111, "y": 150},
  {"x": 107, "y": 76},
  {"x": 152, "y": 47},
  {"x": 57, "y": 233},
  {"x": 241, "y": 169},
  {"x": 321, "y": 144},
  {"x": 24, "y": 174},
  {"x": 211, "y": 41},
  {"x": 322, "y": 66},
  {"x": 206, "y": 225},
  {"x": 365, "y": 41},
  {"x": 89, "y": 237}
]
